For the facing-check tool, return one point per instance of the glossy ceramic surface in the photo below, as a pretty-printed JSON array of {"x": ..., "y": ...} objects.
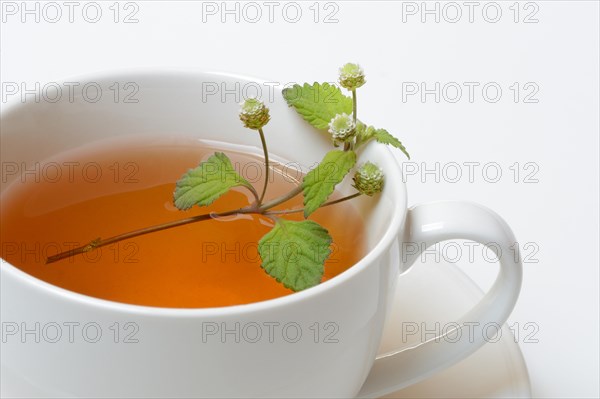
[{"x": 178, "y": 353}]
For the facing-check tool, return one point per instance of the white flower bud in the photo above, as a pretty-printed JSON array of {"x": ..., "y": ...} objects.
[
  {"x": 342, "y": 127},
  {"x": 352, "y": 76}
]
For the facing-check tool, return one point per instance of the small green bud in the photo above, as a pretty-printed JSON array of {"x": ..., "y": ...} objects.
[
  {"x": 352, "y": 76},
  {"x": 342, "y": 127},
  {"x": 368, "y": 179},
  {"x": 254, "y": 114}
]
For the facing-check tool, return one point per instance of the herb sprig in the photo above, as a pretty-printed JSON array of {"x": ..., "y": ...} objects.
[{"x": 324, "y": 106}]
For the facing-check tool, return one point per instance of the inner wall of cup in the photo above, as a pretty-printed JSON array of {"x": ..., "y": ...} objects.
[{"x": 180, "y": 104}]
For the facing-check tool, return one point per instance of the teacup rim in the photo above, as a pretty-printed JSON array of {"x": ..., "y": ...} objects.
[{"x": 391, "y": 232}]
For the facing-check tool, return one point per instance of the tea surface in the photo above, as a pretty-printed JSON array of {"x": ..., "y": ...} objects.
[{"x": 121, "y": 185}]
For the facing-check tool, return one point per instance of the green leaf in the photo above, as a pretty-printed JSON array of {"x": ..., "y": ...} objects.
[
  {"x": 319, "y": 183},
  {"x": 204, "y": 184},
  {"x": 318, "y": 103},
  {"x": 382, "y": 136},
  {"x": 294, "y": 253}
]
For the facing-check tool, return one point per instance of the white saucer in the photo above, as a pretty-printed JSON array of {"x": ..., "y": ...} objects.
[
  {"x": 429, "y": 293},
  {"x": 440, "y": 292}
]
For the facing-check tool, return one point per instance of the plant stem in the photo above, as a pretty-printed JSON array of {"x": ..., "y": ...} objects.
[
  {"x": 354, "y": 105},
  {"x": 350, "y": 146},
  {"x": 297, "y": 190},
  {"x": 253, "y": 191},
  {"x": 266, "y": 152},
  {"x": 97, "y": 243},
  {"x": 337, "y": 201}
]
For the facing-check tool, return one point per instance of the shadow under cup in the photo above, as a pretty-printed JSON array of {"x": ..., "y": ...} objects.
[{"x": 177, "y": 353}]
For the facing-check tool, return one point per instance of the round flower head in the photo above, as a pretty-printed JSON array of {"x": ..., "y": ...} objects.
[
  {"x": 254, "y": 114},
  {"x": 352, "y": 76},
  {"x": 368, "y": 179},
  {"x": 342, "y": 127}
]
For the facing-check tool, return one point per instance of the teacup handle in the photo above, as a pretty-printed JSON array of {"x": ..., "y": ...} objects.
[{"x": 431, "y": 223}]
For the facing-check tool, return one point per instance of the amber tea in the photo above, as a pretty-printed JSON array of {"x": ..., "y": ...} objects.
[{"x": 126, "y": 184}]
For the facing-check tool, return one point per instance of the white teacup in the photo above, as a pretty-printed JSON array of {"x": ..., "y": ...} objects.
[{"x": 321, "y": 342}]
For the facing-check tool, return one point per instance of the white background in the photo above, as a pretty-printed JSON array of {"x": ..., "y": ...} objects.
[{"x": 555, "y": 209}]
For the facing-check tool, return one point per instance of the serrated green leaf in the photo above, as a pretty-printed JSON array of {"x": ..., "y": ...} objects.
[
  {"x": 318, "y": 103},
  {"x": 319, "y": 183},
  {"x": 294, "y": 253},
  {"x": 204, "y": 184},
  {"x": 384, "y": 137}
]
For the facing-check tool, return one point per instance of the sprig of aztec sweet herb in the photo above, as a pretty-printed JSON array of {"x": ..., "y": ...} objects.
[{"x": 292, "y": 252}]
